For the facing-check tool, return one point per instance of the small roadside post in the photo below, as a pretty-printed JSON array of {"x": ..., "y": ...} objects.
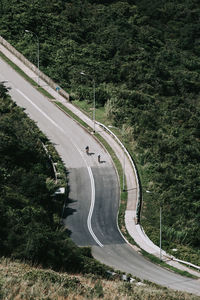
[{"x": 57, "y": 90}]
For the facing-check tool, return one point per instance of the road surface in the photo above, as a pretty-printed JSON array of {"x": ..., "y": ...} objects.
[{"x": 91, "y": 215}]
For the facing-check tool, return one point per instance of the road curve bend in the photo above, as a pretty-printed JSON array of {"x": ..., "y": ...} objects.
[{"x": 91, "y": 215}]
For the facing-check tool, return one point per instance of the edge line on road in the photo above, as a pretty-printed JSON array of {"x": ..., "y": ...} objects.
[
  {"x": 92, "y": 207},
  {"x": 40, "y": 110}
]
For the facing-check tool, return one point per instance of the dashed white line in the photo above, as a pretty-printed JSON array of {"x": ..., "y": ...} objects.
[{"x": 41, "y": 111}]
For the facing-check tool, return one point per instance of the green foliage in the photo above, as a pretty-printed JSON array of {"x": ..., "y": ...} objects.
[
  {"x": 37, "y": 274},
  {"x": 3, "y": 90},
  {"x": 97, "y": 291},
  {"x": 144, "y": 58}
]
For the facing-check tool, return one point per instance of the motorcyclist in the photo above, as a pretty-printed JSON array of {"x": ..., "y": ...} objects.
[{"x": 87, "y": 149}]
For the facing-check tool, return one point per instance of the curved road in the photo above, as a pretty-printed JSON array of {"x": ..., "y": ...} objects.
[{"x": 94, "y": 192}]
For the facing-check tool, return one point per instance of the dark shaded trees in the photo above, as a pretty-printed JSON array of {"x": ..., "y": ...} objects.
[{"x": 144, "y": 56}]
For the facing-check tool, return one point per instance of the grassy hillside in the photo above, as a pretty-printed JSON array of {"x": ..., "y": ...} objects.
[
  {"x": 144, "y": 58},
  {"x": 21, "y": 281}
]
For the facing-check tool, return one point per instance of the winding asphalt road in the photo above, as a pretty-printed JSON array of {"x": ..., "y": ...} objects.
[{"x": 91, "y": 215}]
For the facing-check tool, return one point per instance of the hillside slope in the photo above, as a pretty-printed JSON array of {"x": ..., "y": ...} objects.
[{"x": 21, "y": 281}]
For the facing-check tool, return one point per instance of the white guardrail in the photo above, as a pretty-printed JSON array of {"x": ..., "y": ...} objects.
[
  {"x": 138, "y": 190},
  {"x": 138, "y": 204},
  {"x": 53, "y": 164},
  {"x": 186, "y": 263}
]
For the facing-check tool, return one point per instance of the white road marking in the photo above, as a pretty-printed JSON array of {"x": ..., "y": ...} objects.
[
  {"x": 41, "y": 111},
  {"x": 92, "y": 207},
  {"x": 88, "y": 168}
]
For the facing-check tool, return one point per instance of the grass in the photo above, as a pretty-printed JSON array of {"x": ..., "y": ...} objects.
[
  {"x": 156, "y": 260},
  {"x": 22, "y": 281},
  {"x": 72, "y": 115},
  {"x": 87, "y": 108}
]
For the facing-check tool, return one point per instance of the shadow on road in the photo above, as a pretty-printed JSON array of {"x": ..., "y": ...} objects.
[{"x": 69, "y": 210}]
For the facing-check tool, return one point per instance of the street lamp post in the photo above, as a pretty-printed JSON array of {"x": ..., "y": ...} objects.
[
  {"x": 94, "y": 98},
  {"x": 160, "y": 227},
  {"x": 123, "y": 185},
  {"x": 123, "y": 177},
  {"x": 94, "y": 105},
  {"x": 160, "y": 232},
  {"x": 38, "y": 52}
]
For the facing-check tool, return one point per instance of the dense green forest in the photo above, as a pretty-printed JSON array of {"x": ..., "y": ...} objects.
[
  {"x": 145, "y": 59},
  {"x": 30, "y": 212}
]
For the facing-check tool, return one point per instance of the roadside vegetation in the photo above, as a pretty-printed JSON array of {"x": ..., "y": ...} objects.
[
  {"x": 21, "y": 281},
  {"x": 144, "y": 59}
]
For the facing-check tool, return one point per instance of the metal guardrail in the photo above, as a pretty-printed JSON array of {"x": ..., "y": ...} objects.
[
  {"x": 138, "y": 204},
  {"x": 187, "y": 263}
]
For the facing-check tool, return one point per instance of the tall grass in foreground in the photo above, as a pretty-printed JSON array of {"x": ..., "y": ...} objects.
[{"x": 21, "y": 281}]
